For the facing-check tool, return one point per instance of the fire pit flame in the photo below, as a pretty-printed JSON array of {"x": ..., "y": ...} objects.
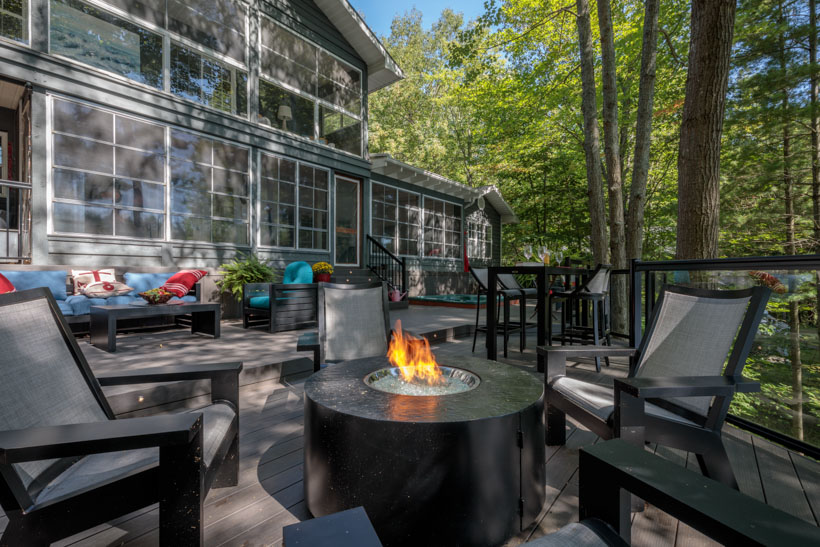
[{"x": 413, "y": 358}]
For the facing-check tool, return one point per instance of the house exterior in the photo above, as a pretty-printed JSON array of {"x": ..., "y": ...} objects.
[{"x": 178, "y": 133}]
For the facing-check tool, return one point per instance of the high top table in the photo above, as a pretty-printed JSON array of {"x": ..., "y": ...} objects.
[
  {"x": 542, "y": 277},
  {"x": 205, "y": 317}
]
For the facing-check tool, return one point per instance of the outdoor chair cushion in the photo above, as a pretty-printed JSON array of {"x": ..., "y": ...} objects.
[
  {"x": 5, "y": 285},
  {"x": 97, "y": 469},
  {"x": 53, "y": 279},
  {"x": 145, "y": 281},
  {"x": 66, "y": 308},
  {"x": 298, "y": 272},
  {"x": 600, "y": 399}
]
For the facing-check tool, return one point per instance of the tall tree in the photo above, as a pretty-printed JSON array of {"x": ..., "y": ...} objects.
[
  {"x": 592, "y": 138},
  {"x": 612, "y": 152},
  {"x": 643, "y": 131},
  {"x": 710, "y": 47},
  {"x": 815, "y": 144}
]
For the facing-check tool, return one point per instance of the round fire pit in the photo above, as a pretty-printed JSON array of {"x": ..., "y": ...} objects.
[
  {"x": 454, "y": 380},
  {"x": 461, "y": 468}
]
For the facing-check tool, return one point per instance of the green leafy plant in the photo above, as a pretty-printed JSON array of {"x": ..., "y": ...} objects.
[{"x": 241, "y": 271}]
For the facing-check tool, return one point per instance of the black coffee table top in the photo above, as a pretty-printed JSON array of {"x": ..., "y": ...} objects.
[
  {"x": 157, "y": 309},
  {"x": 503, "y": 390}
]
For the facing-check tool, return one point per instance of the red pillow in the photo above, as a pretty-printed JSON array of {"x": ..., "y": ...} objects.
[
  {"x": 181, "y": 282},
  {"x": 5, "y": 285}
]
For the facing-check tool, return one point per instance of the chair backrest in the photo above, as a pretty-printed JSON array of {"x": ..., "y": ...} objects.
[
  {"x": 44, "y": 378},
  {"x": 481, "y": 277},
  {"x": 508, "y": 281},
  {"x": 298, "y": 272},
  {"x": 692, "y": 331},
  {"x": 354, "y": 320},
  {"x": 599, "y": 282}
]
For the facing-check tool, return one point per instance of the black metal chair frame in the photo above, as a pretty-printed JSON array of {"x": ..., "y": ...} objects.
[
  {"x": 348, "y": 287},
  {"x": 508, "y": 326},
  {"x": 179, "y": 482},
  {"x": 510, "y": 283},
  {"x": 290, "y": 306},
  {"x": 572, "y": 309},
  {"x": 631, "y": 422}
]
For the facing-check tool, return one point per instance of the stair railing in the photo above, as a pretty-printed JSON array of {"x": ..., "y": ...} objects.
[{"x": 386, "y": 265}]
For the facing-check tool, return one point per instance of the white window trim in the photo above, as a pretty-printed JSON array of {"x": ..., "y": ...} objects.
[
  {"x": 26, "y": 26},
  {"x": 296, "y": 225},
  {"x": 420, "y": 234},
  {"x": 443, "y": 243},
  {"x": 167, "y": 128},
  {"x": 484, "y": 222}
]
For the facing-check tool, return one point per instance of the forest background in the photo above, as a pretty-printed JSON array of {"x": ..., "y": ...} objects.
[{"x": 499, "y": 100}]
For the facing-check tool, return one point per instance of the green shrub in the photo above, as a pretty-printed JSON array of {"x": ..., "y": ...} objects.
[{"x": 243, "y": 270}]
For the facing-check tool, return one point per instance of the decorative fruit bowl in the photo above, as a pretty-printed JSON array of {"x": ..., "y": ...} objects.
[{"x": 156, "y": 296}]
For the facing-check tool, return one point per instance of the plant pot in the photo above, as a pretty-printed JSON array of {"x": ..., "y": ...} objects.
[{"x": 321, "y": 278}]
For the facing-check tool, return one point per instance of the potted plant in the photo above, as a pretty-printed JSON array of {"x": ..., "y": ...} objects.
[
  {"x": 321, "y": 272},
  {"x": 241, "y": 270}
]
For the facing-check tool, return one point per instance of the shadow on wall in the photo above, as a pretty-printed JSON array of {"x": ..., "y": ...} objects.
[{"x": 425, "y": 283}]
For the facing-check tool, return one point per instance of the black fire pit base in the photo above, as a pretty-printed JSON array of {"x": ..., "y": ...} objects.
[{"x": 461, "y": 469}]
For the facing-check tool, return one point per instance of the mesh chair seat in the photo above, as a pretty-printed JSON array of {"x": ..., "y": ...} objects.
[
  {"x": 599, "y": 400},
  {"x": 95, "y": 470},
  {"x": 353, "y": 321}
]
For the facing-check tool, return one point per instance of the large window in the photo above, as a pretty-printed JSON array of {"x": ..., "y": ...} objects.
[
  {"x": 209, "y": 190},
  {"x": 111, "y": 176},
  {"x": 306, "y": 89},
  {"x": 105, "y": 41},
  {"x": 123, "y": 46},
  {"x": 479, "y": 236},
  {"x": 442, "y": 228},
  {"x": 396, "y": 219},
  {"x": 294, "y": 204},
  {"x": 109, "y": 173},
  {"x": 14, "y": 20}
]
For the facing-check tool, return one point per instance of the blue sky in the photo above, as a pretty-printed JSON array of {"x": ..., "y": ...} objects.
[{"x": 379, "y": 13}]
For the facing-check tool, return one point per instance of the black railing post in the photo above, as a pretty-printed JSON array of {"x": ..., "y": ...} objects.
[{"x": 404, "y": 281}]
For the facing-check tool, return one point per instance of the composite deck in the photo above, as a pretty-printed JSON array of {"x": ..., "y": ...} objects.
[{"x": 270, "y": 495}]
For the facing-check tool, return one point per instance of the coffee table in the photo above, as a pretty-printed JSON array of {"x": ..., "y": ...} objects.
[{"x": 103, "y": 325}]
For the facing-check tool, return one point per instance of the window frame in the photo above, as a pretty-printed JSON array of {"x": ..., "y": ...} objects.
[
  {"x": 420, "y": 230},
  {"x": 476, "y": 242},
  {"x": 444, "y": 230},
  {"x": 26, "y": 26},
  {"x": 296, "y": 206},
  {"x": 167, "y": 38},
  {"x": 317, "y": 101},
  {"x": 167, "y": 128}
]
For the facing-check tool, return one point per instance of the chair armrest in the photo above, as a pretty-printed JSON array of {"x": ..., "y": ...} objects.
[
  {"x": 684, "y": 386},
  {"x": 224, "y": 378},
  {"x": 293, "y": 286},
  {"x": 720, "y": 512},
  {"x": 62, "y": 441}
]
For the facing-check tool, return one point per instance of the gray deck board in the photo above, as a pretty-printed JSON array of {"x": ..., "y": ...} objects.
[{"x": 270, "y": 493}]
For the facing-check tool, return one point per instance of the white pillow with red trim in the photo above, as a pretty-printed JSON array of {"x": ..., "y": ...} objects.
[
  {"x": 104, "y": 289},
  {"x": 181, "y": 282},
  {"x": 84, "y": 277}
]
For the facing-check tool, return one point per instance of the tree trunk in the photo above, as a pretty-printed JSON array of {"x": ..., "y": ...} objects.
[
  {"x": 617, "y": 239},
  {"x": 710, "y": 47},
  {"x": 815, "y": 148},
  {"x": 643, "y": 132},
  {"x": 592, "y": 144}
]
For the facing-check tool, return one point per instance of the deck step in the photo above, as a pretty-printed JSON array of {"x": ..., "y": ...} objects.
[{"x": 354, "y": 279}]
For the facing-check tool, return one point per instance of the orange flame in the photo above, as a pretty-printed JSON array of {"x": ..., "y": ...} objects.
[{"x": 413, "y": 358}]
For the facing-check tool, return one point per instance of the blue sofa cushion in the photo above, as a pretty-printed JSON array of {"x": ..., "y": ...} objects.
[
  {"x": 54, "y": 280},
  {"x": 81, "y": 304},
  {"x": 260, "y": 302},
  {"x": 297, "y": 272},
  {"x": 142, "y": 282},
  {"x": 65, "y": 308}
]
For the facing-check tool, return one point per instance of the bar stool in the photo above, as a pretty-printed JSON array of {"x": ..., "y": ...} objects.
[
  {"x": 510, "y": 283},
  {"x": 482, "y": 280}
]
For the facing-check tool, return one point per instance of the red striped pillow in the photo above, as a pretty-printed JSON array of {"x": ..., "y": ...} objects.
[
  {"x": 5, "y": 285},
  {"x": 181, "y": 282}
]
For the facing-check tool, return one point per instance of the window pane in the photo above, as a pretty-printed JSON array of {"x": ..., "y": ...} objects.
[
  {"x": 105, "y": 41},
  {"x": 231, "y": 157},
  {"x": 83, "y": 219},
  {"x": 267, "y": 235},
  {"x": 14, "y": 20},
  {"x": 287, "y": 192},
  {"x": 131, "y": 193},
  {"x": 230, "y": 232},
  {"x": 230, "y": 207},
  {"x": 150, "y": 10},
  {"x": 231, "y": 182},
  {"x": 286, "y": 237},
  {"x": 218, "y": 25},
  {"x": 241, "y": 94},
  {"x": 287, "y": 215},
  {"x": 340, "y": 131},
  {"x": 81, "y": 186},
  {"x": 136, "y": 134},
  {"x": 287, "y": 170},
  {"x": 83, "y": 154},
  {"x": 190, "y": 147},
  {"x": 82, "y": 120},
  {"x": 286, "y": 71},
  {"x": 140, "y": 224},
  {"x": 200, "y": 79},
  {"x": 285, "y": 110},
  {"x": 190, "y": 228},
  {"x": 305, "y": 239},
  {"x": 142, "y": 165}
]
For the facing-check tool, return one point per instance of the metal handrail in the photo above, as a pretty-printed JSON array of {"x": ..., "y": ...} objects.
[
  {"x": 23, "y": 225},
  {"x": 387, "y": 266}
]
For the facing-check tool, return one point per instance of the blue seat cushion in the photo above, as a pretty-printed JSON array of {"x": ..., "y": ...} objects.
[
  {"x": 54, "y": 280},
  {"x": 65, "y": 307},
  {"x": 260, "y": 302},
  {"x": 142, "y": 282},
  {"x": 298, "y": 272}
]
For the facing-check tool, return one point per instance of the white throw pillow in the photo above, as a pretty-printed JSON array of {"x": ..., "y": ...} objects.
[
  {"x": 104, "y": 289},
  {"x": 84, "y": 277}
]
